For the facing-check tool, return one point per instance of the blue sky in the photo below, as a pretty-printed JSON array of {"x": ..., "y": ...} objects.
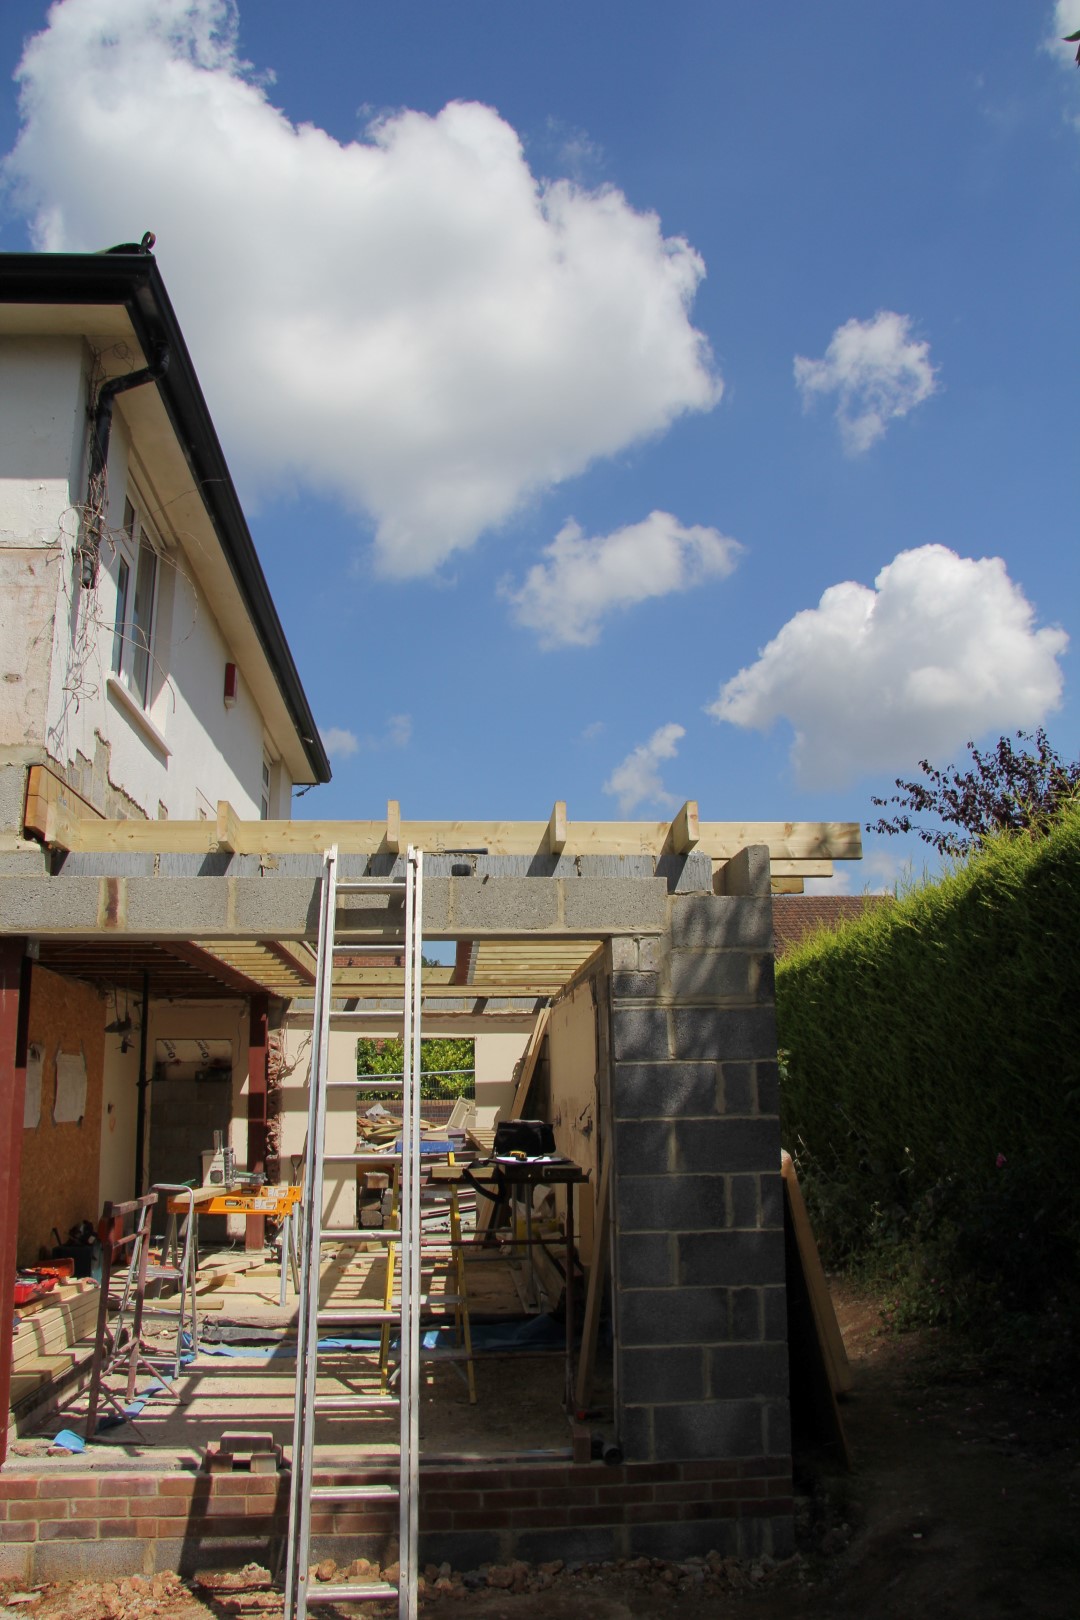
[{"x": 510, "y": 387}]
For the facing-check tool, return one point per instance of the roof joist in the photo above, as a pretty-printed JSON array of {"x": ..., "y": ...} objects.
[{"x": 800, "y": 848}]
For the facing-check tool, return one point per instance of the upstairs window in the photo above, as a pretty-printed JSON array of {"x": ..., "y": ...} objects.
[
  {"x": 264, "y": 794},
  {"x": 136, "y": 600}
]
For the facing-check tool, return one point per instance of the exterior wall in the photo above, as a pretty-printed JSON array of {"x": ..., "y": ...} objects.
[
  {"x": 187, "y": 742},
  {"x": 42, "y": 429},
  {"x": 698, "y": 1235},
  {"x": 75, "y": 1523},
  {"x": 60, "y": 695}
]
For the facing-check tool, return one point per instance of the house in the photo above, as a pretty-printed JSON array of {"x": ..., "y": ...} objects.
[
  {"x": 797, "y": 916},
  {"x": 159, "y": 910},
  {"x": 145, "y": 675}
]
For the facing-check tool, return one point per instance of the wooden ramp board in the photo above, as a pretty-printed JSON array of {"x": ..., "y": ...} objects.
[
  {"x": 825, "y": 1323},
  {"x": 590, "y": 1330},
  {"x": 812, "y": 1366}
]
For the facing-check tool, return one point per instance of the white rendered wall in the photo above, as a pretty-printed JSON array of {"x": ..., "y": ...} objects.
[
  {"x": 119, "y": 1108},
  {"x": 59, "y": 692},
  {"x": 497, "y": 1054},
  {"x": 42, "y": 432},
  {"x": 193, "y": 744},
  {"x": 339, "y": 1181}
]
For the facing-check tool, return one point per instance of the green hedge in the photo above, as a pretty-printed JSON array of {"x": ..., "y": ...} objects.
[{"x": 931, "y": 1087}]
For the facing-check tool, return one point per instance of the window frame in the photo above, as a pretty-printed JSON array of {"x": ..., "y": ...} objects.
[
  {"x": 132, "y": 659},
  {"x": 266, "y": 787}
]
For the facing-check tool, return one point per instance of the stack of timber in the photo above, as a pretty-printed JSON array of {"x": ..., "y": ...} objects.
[{"x": 55, "y": 1335}]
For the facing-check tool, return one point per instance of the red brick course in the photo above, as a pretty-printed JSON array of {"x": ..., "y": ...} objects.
[{"x": 188, "y": 1507}]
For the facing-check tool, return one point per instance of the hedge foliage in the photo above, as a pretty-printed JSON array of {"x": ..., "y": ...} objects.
[{"x": 932, "y": 1077}]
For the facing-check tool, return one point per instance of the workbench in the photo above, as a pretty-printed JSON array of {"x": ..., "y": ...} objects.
[
  {"x": 281, "y": 1203},
  {"x": 508, "y": 1175}
]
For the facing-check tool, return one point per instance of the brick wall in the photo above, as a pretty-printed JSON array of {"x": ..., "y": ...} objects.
[
  {"x": 71, "y": 1523},
  {"x": 701, "y": 1331}
]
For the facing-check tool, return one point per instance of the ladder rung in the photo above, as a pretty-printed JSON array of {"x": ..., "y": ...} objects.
[
  {"x": 358, "y": 1592},
  {"x": 355, "y": 1158},
  {"x": 381, "y": 885},
  {"x": 354, "y": 1493},
  {"x": 439, "y": 1352},
  {"x": 360, "y": 1234},
  {"x": 362, "y": 1083},
  {"x": 361, "y": 1317},
  {"x": 387, "y": 1013},
  {"x": 355, "y": 1403}
]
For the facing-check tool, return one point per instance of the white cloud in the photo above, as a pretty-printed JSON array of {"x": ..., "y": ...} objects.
[
  {"x": 1064, "y": 20},
  {"x": 338, "y": 742},
  {"x": 341, "y": 744},
  {"x": 565, "y": 598},
  {"x": 943, "y": 649},
  {"x": 876, "y": 370},
  {"x": 638, "y": 778},
  {"x": 412, "y": 321}
]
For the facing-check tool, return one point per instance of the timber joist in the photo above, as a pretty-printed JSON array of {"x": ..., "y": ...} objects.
[{"x": 797, "y": 849}]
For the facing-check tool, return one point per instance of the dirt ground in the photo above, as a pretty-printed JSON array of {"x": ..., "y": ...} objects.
[{"x": 963, "y": 1504}]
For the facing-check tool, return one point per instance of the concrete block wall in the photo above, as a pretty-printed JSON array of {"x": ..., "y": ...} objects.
[{"x": 698, "y": 1237}]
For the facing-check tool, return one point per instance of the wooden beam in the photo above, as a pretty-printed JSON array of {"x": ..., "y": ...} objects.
[
  {"x": 44, "y": 788},
  {"x": 803, "y": 869},
  {"x": 787, "y": 840},
  {"x": 228, "y": 828},
  {"x": 787, "y": 885},
  {"x": 685, "y": 829},
  {"x": 393, "y": 827},
  {"x": 358, "y": 978},
  {"x": 214, "y": 966},
  {"x": 556, "y": 834}
]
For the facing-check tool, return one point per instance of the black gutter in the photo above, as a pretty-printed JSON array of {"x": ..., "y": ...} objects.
[{"x": 134, "y": 280}]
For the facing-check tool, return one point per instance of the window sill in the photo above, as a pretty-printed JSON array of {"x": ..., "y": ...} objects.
[{"x": 124, "y": 700}]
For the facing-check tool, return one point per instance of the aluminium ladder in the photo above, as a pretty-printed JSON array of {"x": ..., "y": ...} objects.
[{"x": 303, "y": 1493}]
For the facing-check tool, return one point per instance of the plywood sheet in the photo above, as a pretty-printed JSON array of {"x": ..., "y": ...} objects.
[{"x": 59, "y": 1184}]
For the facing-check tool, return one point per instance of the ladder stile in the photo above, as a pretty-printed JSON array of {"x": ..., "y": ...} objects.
[
  {"x": 409, "y": 1373},
  {"x": 401, "y": 1313}
]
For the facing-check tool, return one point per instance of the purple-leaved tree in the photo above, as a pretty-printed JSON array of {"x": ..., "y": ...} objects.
[{"x": 1010, "y": 788}]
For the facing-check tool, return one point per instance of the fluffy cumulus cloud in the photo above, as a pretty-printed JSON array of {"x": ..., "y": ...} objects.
[
  {"x": 877, "y": 372},
  {"x": 942, "y": 649},
  {"x": 582, "y": 579},
  {"x": 413, "y": 321},
  {"x": 637, "y": 780}
]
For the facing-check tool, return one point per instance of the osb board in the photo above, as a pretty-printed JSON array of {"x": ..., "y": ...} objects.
[{"x": 59, "y": 1179}]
